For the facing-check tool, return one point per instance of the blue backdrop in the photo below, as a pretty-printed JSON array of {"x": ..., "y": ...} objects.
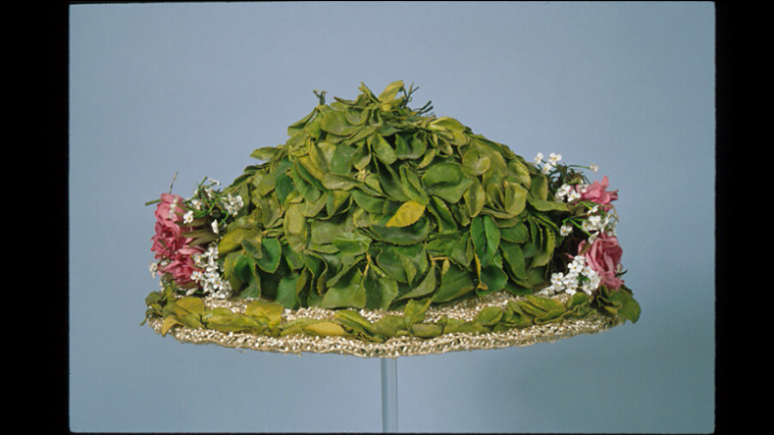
[{"x": 192, "y": 89}]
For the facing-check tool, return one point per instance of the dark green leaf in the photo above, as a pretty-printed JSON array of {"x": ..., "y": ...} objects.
[
  {"x": 486, "y": 238},
  {"x": 446, "y": 181},
  {"x": 272, "y": 253},
  {"x": 348, "y": 292}
]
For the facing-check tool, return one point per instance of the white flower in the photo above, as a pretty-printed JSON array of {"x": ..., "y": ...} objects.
[
  {"x": 590, "y": 273},
  {"x": 233, "y": 204},
  {"x": 554, "y": 158},
  {"x": 565, "y": 230},
  {"x": 563, "y": 191},
  {"x": 539, "y": 157},
  {"x": 196, "y": 203},
  {"x": 197, "y": 276},
  {"x": 575, "y": 267},
  {"x": 547, "y": 168},
  {"x": 573, "y": 196},
  {"x": 154, "y": 268},
  {"x": 172, "y": 207},
  {"x": 188, "y": 217},
  {"x": 557, "y": 279},
  {"x": 594, "y": 167},
  {"x": 215, "y": 227}
]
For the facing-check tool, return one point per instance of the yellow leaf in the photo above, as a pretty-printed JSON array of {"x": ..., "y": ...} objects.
[
  {"x": 407, "y": 214},
  {"x": 169, "y": 322},
  {"x": 325, "y": 329},
  {"x": 189, "y": 304}
]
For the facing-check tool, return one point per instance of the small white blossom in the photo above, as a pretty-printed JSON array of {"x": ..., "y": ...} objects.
[
  {"x": 554, "y": 158},
  {"x": 575, "y": 267},
  {"x": 547, "y": 168},
  {"x": 565, "y": 230},
  {"x": 188, "y": 217},
  {"x": 556, "y": 279},
  {"x": 563, "y": 191},
  {"x": 154, "y": 268},
  {"x": 594, "y": 167},
  {"x": 215, "y": 227},
  {"x": 573, "y": 196},
  {"x": 590, "y": 273},
  {"x": 233, "y": 204},
  {"x": 196, "y": 203},
  {"x": 539, "y": 158},
  {"x": 172, "y": 207},
  {"x": 197, "y": 276}
]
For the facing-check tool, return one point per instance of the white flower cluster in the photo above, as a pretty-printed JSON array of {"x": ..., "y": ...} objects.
[
  {"x": 569, "y": 194},
  {"x": 599, "y": 219},
  {"x": 233, "y": 204},
  {"x": 579, "y": 277},
  {"x": 553, "y": 160},
  {"x": 208, "y": 276},
  {"x": 172, "y": 208},
  {"x": 155, "y": 267}
]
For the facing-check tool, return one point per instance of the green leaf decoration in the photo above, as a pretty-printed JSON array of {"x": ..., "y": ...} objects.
[
  {"x": 271, "y": 250},
  {"x": 619, "y": 303},
  {"x": 347, "y": 292},
  {"x": 486, "y": 238},
  {"x": 264, "y": 153},
  {"x": 351, "y": 244},
  {"x": 380, "y": 289},
  {"x": 489, "y": 316},
  {"x": 446, "y": 181},
  {"x": 389, "y": 326},
  {"x": 270, "y": 312},
  {"x": 455, "y": 283}
]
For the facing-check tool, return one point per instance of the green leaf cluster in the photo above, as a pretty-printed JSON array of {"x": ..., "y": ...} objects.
[{"x": 372, "y": 204}]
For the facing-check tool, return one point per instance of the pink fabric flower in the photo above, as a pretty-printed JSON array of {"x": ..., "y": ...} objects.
[
  {"x": 169, "y": 243},
  {"x": 604, "y": 257},
  {"x": 597, "y": 193}
]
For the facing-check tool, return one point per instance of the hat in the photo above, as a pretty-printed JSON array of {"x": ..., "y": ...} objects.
[{"x": 378, "y": 230}]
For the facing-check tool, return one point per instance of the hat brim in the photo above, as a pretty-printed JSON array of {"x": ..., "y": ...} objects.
[{"x": 395, "y": 346}]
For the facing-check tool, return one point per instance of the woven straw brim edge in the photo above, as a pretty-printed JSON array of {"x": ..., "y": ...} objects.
[{"x": 397, "y": 346}]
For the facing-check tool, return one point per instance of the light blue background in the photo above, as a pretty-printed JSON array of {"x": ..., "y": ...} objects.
[{"x": 159, "y": 89}]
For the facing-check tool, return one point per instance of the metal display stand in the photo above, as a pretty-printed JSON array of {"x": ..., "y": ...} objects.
[{"x": 389, "y": 394}]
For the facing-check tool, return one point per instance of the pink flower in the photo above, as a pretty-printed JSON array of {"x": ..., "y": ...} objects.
[
  {"x": 169, "y": 243},
  {"x": 597, "y": 193},
  {"x": 604, "y": 257}
]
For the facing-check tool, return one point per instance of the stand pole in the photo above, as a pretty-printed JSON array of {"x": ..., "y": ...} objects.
[{"x": 389, "y": 394}]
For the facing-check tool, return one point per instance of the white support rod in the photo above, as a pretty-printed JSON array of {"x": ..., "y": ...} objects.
[{"x": 389, "y": 394}]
